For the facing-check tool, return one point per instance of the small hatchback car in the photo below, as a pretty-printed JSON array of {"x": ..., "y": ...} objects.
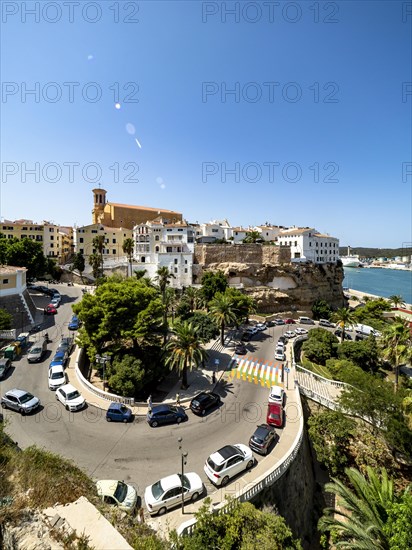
[
  {"x": 118, "y": 412},
  {"x": 228, "y": 462},
  {"x": 165, "y": 414},
  {"x": 275, "y": 415},
  {"x": 117, "y": 493},
  {"x": 204, "y": 401},
  {"x": 69, "y": 396},
  {"x": 262, "y": 439}
]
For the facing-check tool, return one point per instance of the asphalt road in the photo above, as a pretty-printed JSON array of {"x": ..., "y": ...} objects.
[{"x": 136, "y": 453}]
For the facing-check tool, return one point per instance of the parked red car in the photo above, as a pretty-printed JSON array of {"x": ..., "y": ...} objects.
[
  {"x": 290, "y": 321},
  {"x": 275, "y": 415},
  {"x": 50, "y": 310}
]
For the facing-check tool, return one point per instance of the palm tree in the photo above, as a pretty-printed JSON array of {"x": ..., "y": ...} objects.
[
  {"x": 396, "y": 345},
  {"x": 192, "y": 296},
  {"x": 362, "y": 513},
  {"x": 344, "y": 317},
  {"x": 128, "y": 247},
  {"x": 396, "y": 301},
  {"x": 140, "y": 273},
  {"x": 252, "y": 237},
  {"x": 223, "y": 311},
  {"x": 163, "y": 278},
  {"x": 184, "y": 350},
  {"x": 98, "y": 244},
  {"x": 95, "y": 262}
]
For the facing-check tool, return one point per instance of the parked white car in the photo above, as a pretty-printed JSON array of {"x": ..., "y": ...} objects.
[
  {"x": 261, "y": 326},
  {"x": 290, "y": 334},
  {"x": 57, "y": 377},
  {"x": 117, "y": 493},
  {"x": 167, "y": 492},
  {"x": 70, "y": 397},
  {"x": 280, "y": 355},
  {"x": 228, "y": 462},
  {"x": 300, "y": 331},
  {"x": 277, "y": 395}
]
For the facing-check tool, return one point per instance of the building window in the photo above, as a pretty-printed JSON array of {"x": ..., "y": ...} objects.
[
  {"x": 156, "y": 237},
  {"x": 186, "y": 262},
  {"x": 5, "y": 281},
  {"x": 51, "y": 237},
  {"x": 185, "y": 269},
  {"x": 51, "y": 229},
  {"x": 175, "y": 269},
  {"x": 114, "y": 241},
  {"x": 180, "y": 229},
  {"x": 51, "y": 245},
  {"x": 296, "y": 243},
  {"x": 168, "y": 249},
  {"x": 143, "y": 259},
  {"x": 81, "y": 250},
  {"x": 114, "y": 251},
  {"x": 81, "y": 240},
  {"x": 175, "y": 260},
  {"x": 156, "y": 249},
  {"x": 94, "y": 230}
]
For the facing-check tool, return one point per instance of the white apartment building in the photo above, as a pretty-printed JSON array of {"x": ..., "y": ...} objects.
[
  {"x": 269, "y": 232},
  {"x": 214, "y": 230},
  {"x": 310, "y": 245},
  {"x": 159, "y": 244}
]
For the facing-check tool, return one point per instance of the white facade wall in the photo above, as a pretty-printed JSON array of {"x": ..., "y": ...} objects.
[
  {"x": 311, "y": 245},
  {"x": 268, "y": 233},
  {"x": 157, "y": 245}
]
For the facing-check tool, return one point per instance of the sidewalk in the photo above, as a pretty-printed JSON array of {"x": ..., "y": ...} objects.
[{"x": 198, "y": 379}]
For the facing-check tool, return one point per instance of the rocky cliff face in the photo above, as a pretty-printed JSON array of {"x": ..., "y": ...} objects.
[{"x": 266, "y": 274}]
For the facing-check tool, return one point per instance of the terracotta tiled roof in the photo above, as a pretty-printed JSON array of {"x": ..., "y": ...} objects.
[
  {"x": 297, "y": 231},
  {"x": 142, "y": 207}
]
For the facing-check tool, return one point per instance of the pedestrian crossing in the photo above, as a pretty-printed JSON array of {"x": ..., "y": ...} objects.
[{"x": 265, "y": 373}]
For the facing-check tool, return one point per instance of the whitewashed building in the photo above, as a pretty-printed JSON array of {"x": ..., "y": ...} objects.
[
  {"x": 307, "y": 244},
  {"x": 212, "y": 231},
  {"x": 159, "y": 244},
  {"x": 269, "y": 232}
]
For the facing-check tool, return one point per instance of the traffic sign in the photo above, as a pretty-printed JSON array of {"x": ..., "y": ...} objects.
[{"x": 287, "y": 369}]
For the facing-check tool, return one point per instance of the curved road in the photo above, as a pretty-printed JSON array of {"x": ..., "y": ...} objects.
[{"x": 134, "y": 452}]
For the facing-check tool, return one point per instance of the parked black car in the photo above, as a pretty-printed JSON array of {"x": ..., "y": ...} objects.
[
  {"x": 165, "y": 414},
  {"x": 262, "y": 439},
  {"x": 240, "y": 349},
  {"x": 204, "y": 401},
  {"x": 338, "y": 332}
]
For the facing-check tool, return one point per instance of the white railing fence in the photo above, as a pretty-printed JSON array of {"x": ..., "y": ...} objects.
[{"x": 256, "y": 486}]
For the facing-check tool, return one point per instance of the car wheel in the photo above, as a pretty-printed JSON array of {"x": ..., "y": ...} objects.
[
  {"x": 108, "y": 419},
  {"x": 203, "y": 412},
  {"x": 178, "y": 420},
  {"x": 125, "y": 420},
  {"x": 67, "y": 408},
  {"x": 195, "y": 496},
  {"x": 3, "y": 405},
  {"x": 249, "y": 464},
  {"x": 162, "y": 511},
  {"x": 154, "y": 424},
  {"x": 22, "y": 411},
  {"x": 224, "y": 481}
]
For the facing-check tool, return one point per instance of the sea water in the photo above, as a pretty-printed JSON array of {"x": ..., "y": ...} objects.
[{"x": 380, "y": 281}]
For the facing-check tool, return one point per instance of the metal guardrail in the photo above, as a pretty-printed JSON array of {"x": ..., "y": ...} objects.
[{"x": 188, "y": 527}]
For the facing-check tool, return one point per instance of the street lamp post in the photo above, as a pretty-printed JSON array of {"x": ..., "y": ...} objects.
[
  {"x": 184, "y": 462},
  {"x": 102, "y": 360}
]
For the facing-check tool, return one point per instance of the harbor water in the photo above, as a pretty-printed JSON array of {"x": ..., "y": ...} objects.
[{"x": 380, "y": 281}]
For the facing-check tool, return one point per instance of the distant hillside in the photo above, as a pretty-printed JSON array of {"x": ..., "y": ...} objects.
[{"x": 376, "y": 252}]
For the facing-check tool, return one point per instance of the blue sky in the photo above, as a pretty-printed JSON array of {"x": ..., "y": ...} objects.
[{"x": 316, "y": 131}]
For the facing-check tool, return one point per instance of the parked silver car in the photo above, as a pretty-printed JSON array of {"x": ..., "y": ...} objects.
[
  {"x": 37, "y": 351},
  {"x": 20, "y": 400}
]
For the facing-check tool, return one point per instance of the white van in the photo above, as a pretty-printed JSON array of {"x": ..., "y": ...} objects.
[{"x": 306, "y": 321}]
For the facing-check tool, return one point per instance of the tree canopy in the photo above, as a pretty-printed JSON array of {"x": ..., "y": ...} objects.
[
  {"x": 24, "y": 253},
  {"x": 212, "y": 283},
  {"x": 243, "y": 528}
]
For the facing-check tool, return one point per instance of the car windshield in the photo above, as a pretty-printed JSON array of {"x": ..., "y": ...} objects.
[
  {"x": 35, "y": 350},
  {"x": 157, "y": 490},
  {"x": 26, "y": 397},
  {"x": 257, "y": 439},
  {"x": 73, "y": 395},
  {"x": 274, "y": 416},
  {"x": 56, "y": 375},
  {"x": 121, "y": 491}
]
